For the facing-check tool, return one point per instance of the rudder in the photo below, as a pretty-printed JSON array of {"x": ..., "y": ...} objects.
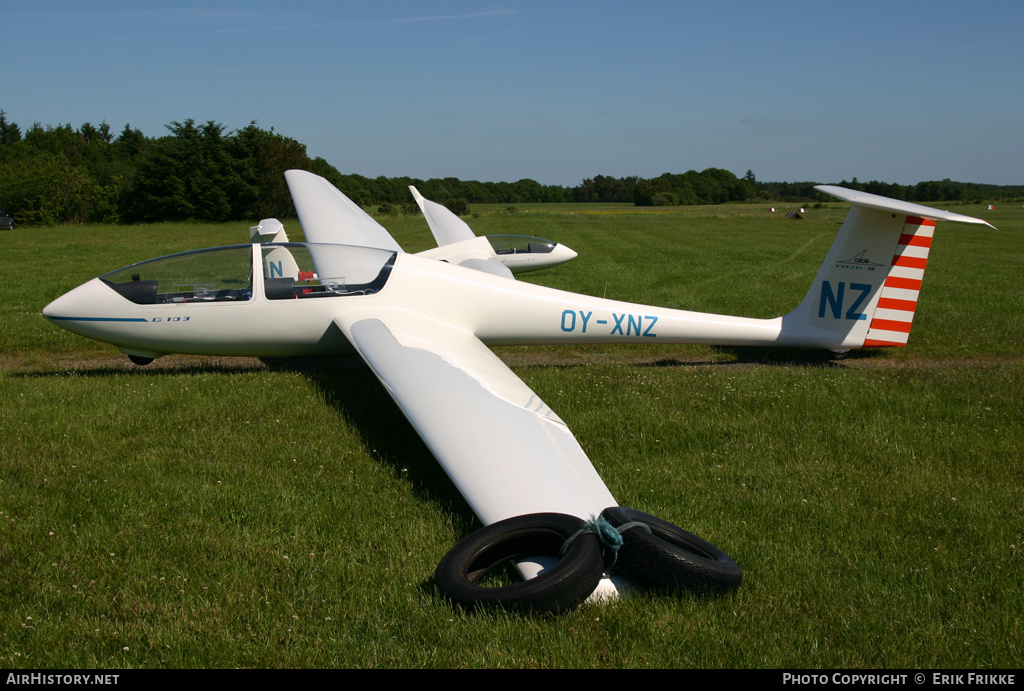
[{"x": 897, "y": 300}]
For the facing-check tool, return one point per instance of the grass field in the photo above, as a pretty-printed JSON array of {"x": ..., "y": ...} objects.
[{"x": 211, "y": 512}]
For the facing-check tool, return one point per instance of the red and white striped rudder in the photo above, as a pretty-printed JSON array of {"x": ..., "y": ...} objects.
[{"x": 897, "y": 300}]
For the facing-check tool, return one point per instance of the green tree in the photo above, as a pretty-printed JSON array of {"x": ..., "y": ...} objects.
[
  {"x": 9, "y": 131},
  {"x": 263, "y": 158},
  {"x": 458, "y": 206},
  {"x": 190, "y": 175},
  {"x": 47, "y": 190}
]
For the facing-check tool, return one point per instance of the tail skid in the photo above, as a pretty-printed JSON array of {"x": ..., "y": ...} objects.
[{"x": 867, "y": 289}]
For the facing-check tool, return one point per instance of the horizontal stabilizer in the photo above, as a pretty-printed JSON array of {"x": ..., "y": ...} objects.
[
  {"x": 268, "y": 230},
  {"x": 873, "y": 201}
]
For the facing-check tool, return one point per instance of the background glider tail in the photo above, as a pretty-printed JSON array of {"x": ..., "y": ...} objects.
[{"x": 866, "y": 291}]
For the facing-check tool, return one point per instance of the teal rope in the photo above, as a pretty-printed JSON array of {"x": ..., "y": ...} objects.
[{"x": 609, "y": 536}]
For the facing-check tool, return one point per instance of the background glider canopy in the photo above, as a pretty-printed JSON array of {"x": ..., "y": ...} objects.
[{"x": 520, "y": 244}]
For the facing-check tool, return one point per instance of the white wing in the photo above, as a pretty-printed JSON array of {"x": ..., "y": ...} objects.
[
  {"x": 505, "y": 450},
  {"x": 445, "y": 225},
  {"x": 329, "y": 216},
  {"x": 449, "y": 229}
]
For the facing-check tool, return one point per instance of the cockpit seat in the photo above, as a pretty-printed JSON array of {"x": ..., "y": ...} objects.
[
  {"x": 279, "y": 288},
  {"x": 139, "y": 292}
]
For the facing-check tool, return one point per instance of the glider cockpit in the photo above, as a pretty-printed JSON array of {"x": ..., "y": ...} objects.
[
  {"x": 520, "y": 244},
  {"x": 209, "y": 275},
  {"x": 224, "y": 274},
  {"x": 300, "y": 270}
]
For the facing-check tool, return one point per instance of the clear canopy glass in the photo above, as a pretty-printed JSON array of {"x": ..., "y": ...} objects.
[
  {"x": 225, "y": 274},
  {"x": 520, "y": 244},
  {"x": 301, "y": 270},
  {"x": 211, "y": 275}
]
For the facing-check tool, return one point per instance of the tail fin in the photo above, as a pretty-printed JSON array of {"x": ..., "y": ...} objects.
[{"x": 866, "y": 291}]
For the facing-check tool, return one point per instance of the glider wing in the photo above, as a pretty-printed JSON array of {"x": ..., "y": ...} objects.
[
  {"x": 445, "y": 225},
  {"x": 505, "y": 450},
  {"x": 489, "y": 265},
  {"x": 449, "y": 229},
  {"x": 329, "y": 216}
]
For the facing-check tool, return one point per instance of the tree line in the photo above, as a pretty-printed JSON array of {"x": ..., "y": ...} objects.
[{"x": 200, "y": 171}]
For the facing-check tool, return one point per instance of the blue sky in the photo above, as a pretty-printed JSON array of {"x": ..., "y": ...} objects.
[{"x": 557, "y": 91}]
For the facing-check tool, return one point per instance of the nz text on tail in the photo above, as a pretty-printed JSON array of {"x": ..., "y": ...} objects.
[{"x": 867, "y": 289}]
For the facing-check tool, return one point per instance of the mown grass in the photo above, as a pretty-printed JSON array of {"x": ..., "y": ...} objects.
[{"x": 231, "y": 513}]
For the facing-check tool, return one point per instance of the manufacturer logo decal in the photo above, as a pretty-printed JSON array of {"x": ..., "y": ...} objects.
[{"x": 858, "y": 262}]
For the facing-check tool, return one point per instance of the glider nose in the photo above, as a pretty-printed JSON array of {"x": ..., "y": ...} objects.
[
  {"x": 81, "y": 310},
  {"x": 62, "y": 308},
  {"x": 562, "y": 254},
  {"x": 77, "y": 302}
]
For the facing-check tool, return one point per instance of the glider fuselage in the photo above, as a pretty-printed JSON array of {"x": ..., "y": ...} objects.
[{"x": 256, "y": 322}]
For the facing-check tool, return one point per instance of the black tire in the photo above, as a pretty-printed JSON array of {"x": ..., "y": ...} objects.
[
  {"x": 670, "y": 559},
  {"x": 556, "y": 589}
]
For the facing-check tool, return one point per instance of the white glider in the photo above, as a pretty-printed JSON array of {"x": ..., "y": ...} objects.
[
  {"x": 501, "y": 255},
  {"x": 424, "y": 326}
]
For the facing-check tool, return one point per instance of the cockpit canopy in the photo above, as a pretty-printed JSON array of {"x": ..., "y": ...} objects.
[
  {"x": 302, "y": 270},
  {"x": 224, "y": 274},
  {"x": 210, "y": 275},
  {"x": 520, "y": 244}
]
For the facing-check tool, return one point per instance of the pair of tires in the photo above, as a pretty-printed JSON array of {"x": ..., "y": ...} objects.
[{"x": 656, "y": 554}]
